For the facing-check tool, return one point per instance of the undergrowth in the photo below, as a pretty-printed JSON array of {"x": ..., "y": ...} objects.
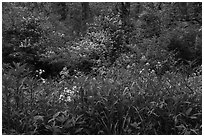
[{"x": 118, "y": 101}]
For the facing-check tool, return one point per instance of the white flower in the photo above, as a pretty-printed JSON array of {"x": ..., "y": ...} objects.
[
  {"x": 61, "y": 97},
  {"x": 141, "y": 70},
  {"x": 74, "y": 88},
  {"x": 152, "y": 71},
  {"x": 147, "y": 64},
  {"x": 69, "y": 99},
  {"x": 143, "y": 58},
  {"x": 128, "y": 66}
]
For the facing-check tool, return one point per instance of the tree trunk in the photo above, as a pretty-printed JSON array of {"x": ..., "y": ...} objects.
[
  {"x": 138, "y": 10},
  {"x": 125, "y": 18},
  {"x": 125, "y": 13},
  {"x": 183, "y": 6},
  {"x": 62, "y": 10},
  {"x": 85, "y": 16}
]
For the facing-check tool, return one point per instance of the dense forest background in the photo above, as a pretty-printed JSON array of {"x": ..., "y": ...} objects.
[{"x": 102, "y": 68}]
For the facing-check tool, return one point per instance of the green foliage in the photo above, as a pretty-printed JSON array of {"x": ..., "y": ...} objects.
[
  {"x": 122, "y": 102},
  {"x": 138, "y": 75}
]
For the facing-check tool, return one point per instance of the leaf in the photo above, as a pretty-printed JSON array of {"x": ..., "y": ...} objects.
[
  {"x": 180, "y": 127},
  {"x": 59, "y": 116},
  {"x": 135, "y": 124},
  {"x": 192, "y": 130},
  {"x": 56, "y": 130},
  {"x": 51, "y": 120},
  {"x": 188, "y": 111},
  {"x": 175, "y": 120},
  {"x": 69, "y": 123},
  {"x": 193, "y": 117},
  {"x": 187, "y": 132},
  {"x": 101, "y": 132},
  {"x": 78, "y": 117},
  {"x": 79, "y": 130},
  {"x": 38, "y": 118}
]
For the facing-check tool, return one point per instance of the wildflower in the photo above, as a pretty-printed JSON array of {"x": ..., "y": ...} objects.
[
  {"x": 61, "y": 97},
  {"x": 143, "y": 59},
  {"x": 128, "y": 66},
  {"x": 69, "y": 99},
  {"x": 141, "y": 70},
  {"x": 152, "y": 71},
  {"x": 147, "y": 64}
]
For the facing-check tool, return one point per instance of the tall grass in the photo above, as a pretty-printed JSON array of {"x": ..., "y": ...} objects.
[{"x": 119, "y": 101}]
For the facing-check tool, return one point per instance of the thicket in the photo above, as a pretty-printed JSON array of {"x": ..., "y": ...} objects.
[{"x": 102, "y": 68}]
